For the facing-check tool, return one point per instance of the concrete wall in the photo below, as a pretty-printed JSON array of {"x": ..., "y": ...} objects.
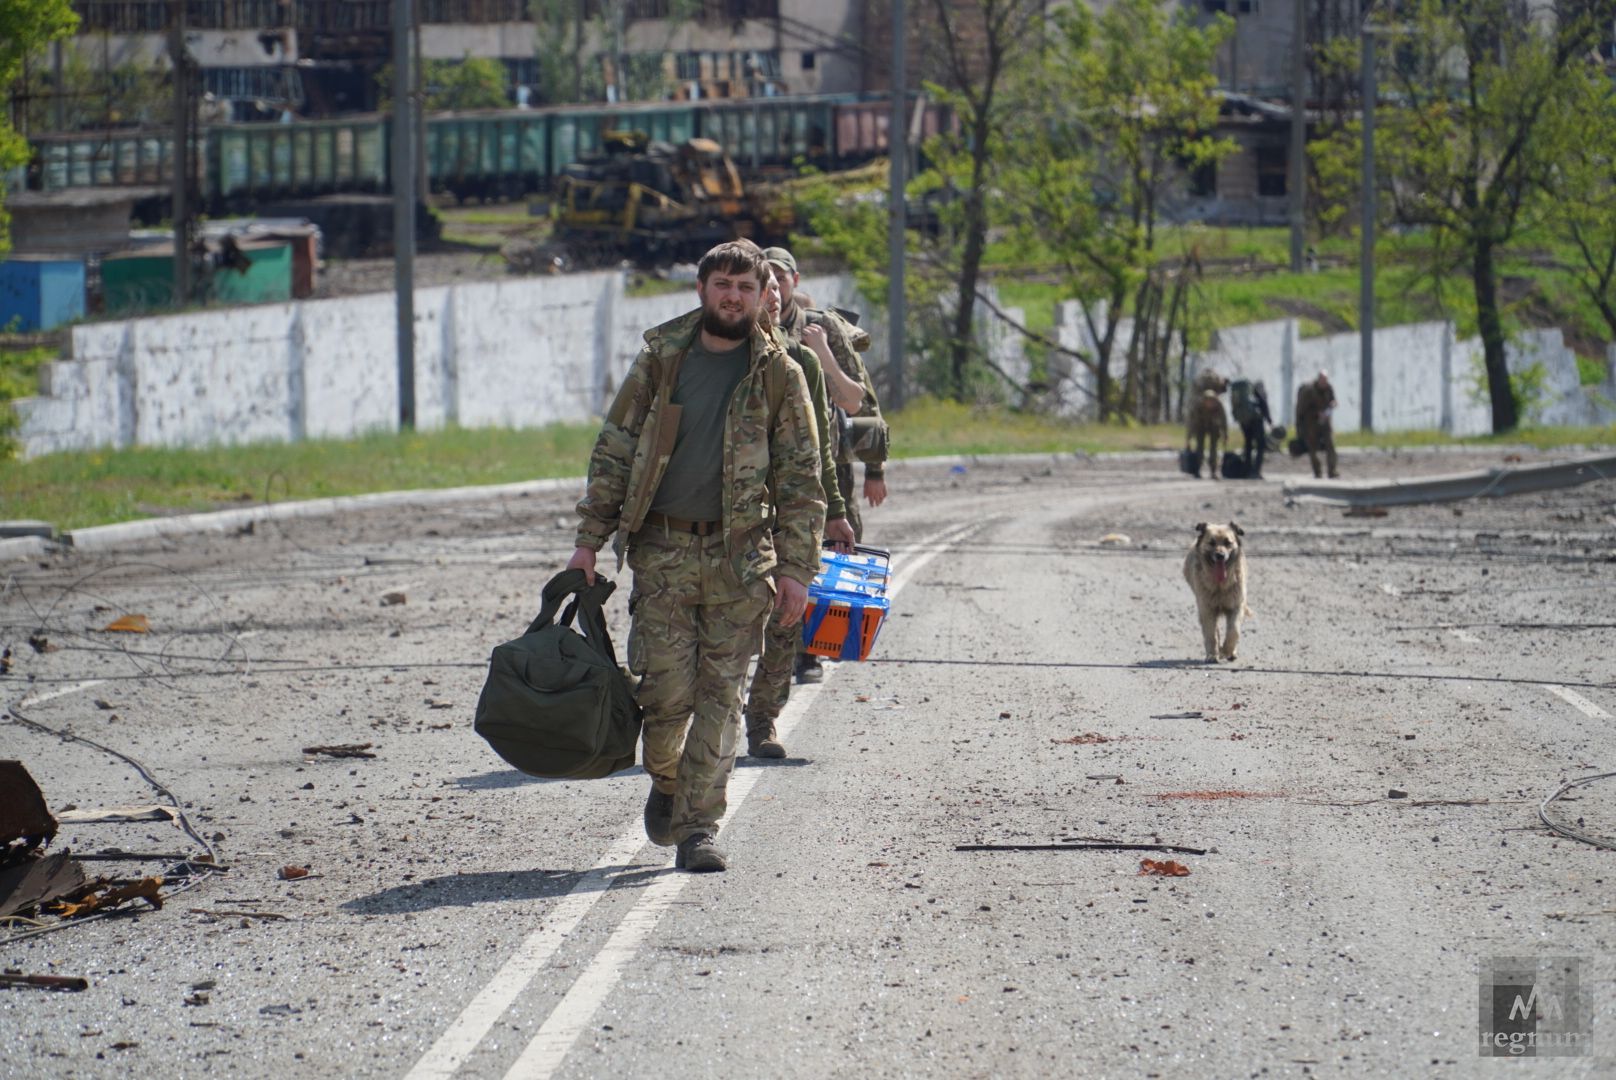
[
  {"x": 1425, "y": 379},
  {"x": 514, "y": 353}
]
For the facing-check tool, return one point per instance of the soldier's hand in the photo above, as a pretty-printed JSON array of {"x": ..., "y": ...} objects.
[
  {"x": 790, "y": 600},
  {"x": 583, "y": 559},
  {"x": 840, "y": 534},
  {"x": 875, "y": 490}
]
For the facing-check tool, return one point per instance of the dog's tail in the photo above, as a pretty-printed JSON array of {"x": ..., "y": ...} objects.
[{"x": 1247, "y": 613}]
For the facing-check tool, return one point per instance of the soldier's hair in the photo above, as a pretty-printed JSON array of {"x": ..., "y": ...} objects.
[
  {"x": 764, "y": 319},
  {"x": 733, "y": 257}
]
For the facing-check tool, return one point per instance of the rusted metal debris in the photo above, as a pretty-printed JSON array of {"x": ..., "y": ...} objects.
[
  {"x": 346, "y": 750},
  {"x": 35, "y": 882},
  {"x": 23, "y": 814}
]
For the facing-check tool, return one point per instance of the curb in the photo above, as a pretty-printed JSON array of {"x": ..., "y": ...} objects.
[
  {"x": 110, "y": 537},
  {"x": 107, "y": 537}
]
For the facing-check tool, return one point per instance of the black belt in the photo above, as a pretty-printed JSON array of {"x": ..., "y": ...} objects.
[{"x": 698, "y": 528}]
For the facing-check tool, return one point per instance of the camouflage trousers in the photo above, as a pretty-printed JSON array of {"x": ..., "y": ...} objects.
[
  {"x": 771, "y": 682},
  {"x": 694, "y": 629},
  {"x": 850, "y": 494}
]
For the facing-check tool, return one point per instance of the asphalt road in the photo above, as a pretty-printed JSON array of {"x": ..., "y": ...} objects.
[{"x": 1033, "y": 686}]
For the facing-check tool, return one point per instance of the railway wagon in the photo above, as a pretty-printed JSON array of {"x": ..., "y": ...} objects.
[{"x": 503, "y": 153}]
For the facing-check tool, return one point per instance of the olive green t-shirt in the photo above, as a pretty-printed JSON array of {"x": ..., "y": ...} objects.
[{"x": 693, "y": 486}]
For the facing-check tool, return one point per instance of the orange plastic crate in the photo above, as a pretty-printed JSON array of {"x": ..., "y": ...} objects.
[{"x": 847, "y": 603}]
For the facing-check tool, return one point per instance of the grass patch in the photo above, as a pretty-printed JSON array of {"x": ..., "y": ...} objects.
[
  {"x": 75, "y": 490},
  {"x": 502, "y": 214}
]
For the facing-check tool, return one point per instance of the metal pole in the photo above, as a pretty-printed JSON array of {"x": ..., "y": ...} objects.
[
  {"x": 58, "y": 117},
  {"x": 1298, "y": 180},
  {"x": 404, "y": 212},
  {"x": 1366, "y": 231},
  {"x": 180, "y": 161},
  {"x": 898, "y": 152}
]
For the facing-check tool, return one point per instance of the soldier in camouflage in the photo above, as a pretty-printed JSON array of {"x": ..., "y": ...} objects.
[
  {"x": 771, "y": 682},
  {"x": 707, "y": 470},
  {"x": 848, "y": 384}
]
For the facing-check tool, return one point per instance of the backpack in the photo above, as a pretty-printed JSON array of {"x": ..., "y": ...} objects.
[
  {"x": 1241, "y": 403},
  {"x": 555, "y": 703}
]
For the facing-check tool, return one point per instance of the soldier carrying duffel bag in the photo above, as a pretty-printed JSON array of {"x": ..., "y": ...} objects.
[{"x": 556, "y": 703}]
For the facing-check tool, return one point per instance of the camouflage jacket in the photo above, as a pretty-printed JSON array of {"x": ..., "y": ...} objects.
[
  {"x": 846, "y": 341},
  {"x": 771, "y": 457},
  {"x": 808, "y": 360}
]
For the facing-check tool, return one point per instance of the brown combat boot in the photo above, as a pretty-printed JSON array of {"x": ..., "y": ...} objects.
[{"x": 761, "y": 741}]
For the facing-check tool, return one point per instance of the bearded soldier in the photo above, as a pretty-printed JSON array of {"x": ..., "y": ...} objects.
[{"x": 707, "y": 469}]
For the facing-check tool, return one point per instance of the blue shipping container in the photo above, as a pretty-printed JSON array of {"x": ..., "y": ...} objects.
[{"x": 40, "y": 293}]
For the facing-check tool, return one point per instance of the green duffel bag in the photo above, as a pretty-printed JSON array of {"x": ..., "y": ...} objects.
[{"x": 556, "y": 703}]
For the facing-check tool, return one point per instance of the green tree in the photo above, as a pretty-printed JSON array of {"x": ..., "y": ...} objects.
[
  {"x": 1583, "y": 189},
  {"x": 579, "y": 54},
  {"x": 978, "y": 45},
  {"x": 472, "y": 83},
  {"x": 1137, "y": 105},
  {"x": 1473, "y": 148},
  {"x": 25, "y": 26}
]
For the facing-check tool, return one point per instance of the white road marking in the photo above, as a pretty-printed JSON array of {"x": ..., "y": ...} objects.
[
  {"x": 1578, "y": 702},
  {"x": 560, "y": 1030},
  {"x": 40, "y": 699}
]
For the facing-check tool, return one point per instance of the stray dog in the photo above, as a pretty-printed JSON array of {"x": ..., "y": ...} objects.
[
  {"x": 1216, "y": 570},
  {"x": 1207, "y": 423}
]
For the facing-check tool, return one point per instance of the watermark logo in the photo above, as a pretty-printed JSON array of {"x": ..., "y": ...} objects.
[{"x": 1531, "y": 1007}]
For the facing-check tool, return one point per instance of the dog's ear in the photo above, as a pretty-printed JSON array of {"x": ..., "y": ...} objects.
[
  {"x": 1238, "y": 531},
  {"x": 1200, "y": 528}
]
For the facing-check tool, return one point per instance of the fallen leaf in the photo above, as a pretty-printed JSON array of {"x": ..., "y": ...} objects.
[
  {"x": 1164, "y": 868},
  {"x": 861, "y": 697},
  {"x": 292, "y": 873},
  {"x": 130, "y": 624},
  {"x": 94, "y": 900}
]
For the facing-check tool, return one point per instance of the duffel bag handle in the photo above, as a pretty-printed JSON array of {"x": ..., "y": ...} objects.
[{"x": 588, "y": 606}]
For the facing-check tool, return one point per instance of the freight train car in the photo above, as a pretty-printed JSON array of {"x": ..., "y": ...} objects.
[{"x": 485, "y": 154}]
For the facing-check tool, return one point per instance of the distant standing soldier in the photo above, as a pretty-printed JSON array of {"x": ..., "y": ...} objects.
[
  {"x": 848, "y": 385},
  {"x": 1315, "y": 401},
  {"x": 1249, "y": 402},
  {"x": 709, "y": 442},
  {"x": 771, "y": 682},
  {"x": 1206, "y": 422}
]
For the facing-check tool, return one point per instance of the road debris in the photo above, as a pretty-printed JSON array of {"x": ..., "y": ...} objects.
[
  {"x": 345, "y": 750},
  {"x": 1194, "y": 714},
  {"x": 102, "y": 895},
  {"x": 1225, "y": 794},
  {"x": 33, "y": 882},
  {"x": 393, "y": 599},
  {"x": 1116, "y": 540},
  {"x": 292, "y": 873},
  {"x": 1164, "y": 868},
  {"x": 143, "y": 812},
  {"x": 1566, "y": 830},
  {"x": 1108, "y": 846},
  {"x": 1088, "y": 738},
  {"x": 129, "y": 624},
  {"x": 44, "y": 982}
]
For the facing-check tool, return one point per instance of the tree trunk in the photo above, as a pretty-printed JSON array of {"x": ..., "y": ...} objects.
[
  {"x": 1485, "y": 277},
  {"x": 970, "y": 273}
]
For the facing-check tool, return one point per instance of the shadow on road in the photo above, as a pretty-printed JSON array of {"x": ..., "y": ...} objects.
[{"x": 465, "y": 890}]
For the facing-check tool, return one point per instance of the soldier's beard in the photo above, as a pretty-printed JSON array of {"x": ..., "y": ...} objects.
[{"x": 719, "y": 327}]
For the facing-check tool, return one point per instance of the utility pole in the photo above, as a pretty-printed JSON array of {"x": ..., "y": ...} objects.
[
  {"x": 898, "y": 152},
  {"x": 1298, "y": 180},
  {"x": 1366, "y": 232},
  {"x": 403, "y": 169},
  {"x": 183, "y": 162}
]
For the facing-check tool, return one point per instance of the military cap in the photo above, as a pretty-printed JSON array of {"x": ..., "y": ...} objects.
[{"x": 781, "y": 257}]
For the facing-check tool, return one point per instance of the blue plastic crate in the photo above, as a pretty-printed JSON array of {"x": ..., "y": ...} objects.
[{"x": 847, "y": 603}]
